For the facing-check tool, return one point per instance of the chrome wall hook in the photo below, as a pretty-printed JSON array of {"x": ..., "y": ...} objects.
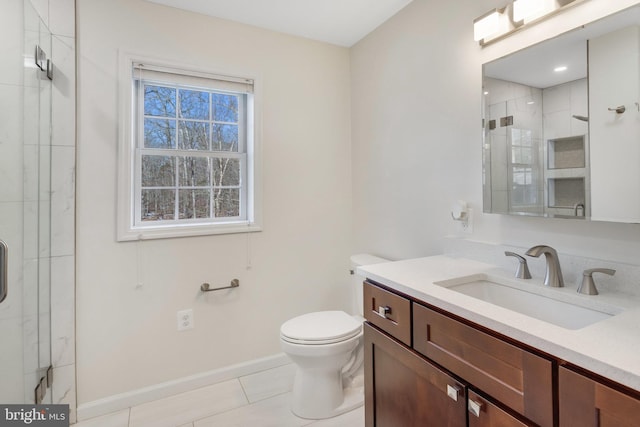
[{"x": 619, "y": 110}]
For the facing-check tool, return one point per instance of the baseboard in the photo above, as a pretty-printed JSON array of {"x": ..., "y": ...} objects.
[{"x": 126, "y": 400}]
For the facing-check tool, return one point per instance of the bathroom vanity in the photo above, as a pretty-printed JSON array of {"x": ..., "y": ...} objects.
[{"x": 437, "y": 356}]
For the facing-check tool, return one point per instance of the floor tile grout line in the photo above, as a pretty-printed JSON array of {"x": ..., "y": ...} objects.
[
  {"x": 193, "y": 422},
  {"x": 246, "y": 395},
  {"x": 250, "y": 404}
]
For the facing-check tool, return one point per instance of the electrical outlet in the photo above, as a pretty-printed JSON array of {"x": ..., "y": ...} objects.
[{"x": 185, "y": 319}]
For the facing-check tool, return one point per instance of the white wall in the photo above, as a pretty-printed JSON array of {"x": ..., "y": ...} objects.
[
  {"x": 416, "y": 135},
  {"x": 614, "y": 137},
  {"x": 127, "y": 336}
]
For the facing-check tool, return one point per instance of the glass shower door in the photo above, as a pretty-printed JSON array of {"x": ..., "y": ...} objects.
[{"x": 25, "y": 190}]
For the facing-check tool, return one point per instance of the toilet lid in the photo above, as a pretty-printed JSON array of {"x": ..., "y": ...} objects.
[{"x": 322, "y": 327}]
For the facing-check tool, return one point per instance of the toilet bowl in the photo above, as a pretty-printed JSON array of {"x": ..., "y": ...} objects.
[{"x": 327, "y": 349}]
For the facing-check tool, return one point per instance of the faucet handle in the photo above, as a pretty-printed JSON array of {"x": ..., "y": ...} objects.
[
  {"x": 523, "y": 268},
  {"x": 588, "y": 286}
]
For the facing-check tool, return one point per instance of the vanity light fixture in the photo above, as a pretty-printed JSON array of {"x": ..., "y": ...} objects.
[
  {"x": 490, "y": 25},
  {"x": 530, "y": 10},
  {"x": 501, "y": 22},
  {"x": 560, "y": 69}
]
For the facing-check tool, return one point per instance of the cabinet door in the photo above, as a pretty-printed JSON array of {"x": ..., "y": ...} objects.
[
  {"x": 402, "y": 389},
  {"x": 588, "y": 403},
  {"x": 483, "y": 413}
]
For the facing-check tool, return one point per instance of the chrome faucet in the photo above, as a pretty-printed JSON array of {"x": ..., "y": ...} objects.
[
  {"x": 553, "y": 275},
  {"x": 523, "y": 270}
]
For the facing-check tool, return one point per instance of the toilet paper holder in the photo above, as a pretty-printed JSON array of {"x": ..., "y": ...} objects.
[{"x": 205, "y": 287}]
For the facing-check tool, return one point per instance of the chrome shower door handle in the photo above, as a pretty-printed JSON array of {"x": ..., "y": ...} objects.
[{"x": 4, "y": 266}]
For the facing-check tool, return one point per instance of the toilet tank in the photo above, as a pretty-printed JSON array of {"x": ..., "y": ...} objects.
[{"x": 356, "y": 280}]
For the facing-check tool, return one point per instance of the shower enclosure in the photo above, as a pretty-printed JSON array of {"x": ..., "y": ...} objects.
[{"x": 25, "y": 208}]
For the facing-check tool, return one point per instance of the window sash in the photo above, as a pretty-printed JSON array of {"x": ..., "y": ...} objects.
[
  {"x": 242, "y": 187},
  {"x": 177, "y": 153}
]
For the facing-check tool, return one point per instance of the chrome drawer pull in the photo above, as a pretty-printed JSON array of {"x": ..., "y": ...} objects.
[
  {"x": 383, "y": 311},
  {"x": 453, "y": 391},
  {"x": 474, "y": 407}
]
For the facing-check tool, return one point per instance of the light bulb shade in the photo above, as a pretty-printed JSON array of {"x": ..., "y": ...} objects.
[
  {"x": 530, "y": 10},
  {"x": 490, "y": 25}
]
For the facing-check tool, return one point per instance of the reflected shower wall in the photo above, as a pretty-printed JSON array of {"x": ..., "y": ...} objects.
[{"x": 513, "y": 148}]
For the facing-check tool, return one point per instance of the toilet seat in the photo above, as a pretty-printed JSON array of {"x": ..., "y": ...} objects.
[{"x": 322, "y": 327}]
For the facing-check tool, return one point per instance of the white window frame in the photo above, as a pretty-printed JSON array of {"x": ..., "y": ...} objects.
[{"x": 129, "y": 225}]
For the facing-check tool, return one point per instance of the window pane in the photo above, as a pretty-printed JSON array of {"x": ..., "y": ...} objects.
[
  {"x": 194, "y": 104},
  {"x": 194, "y": 171},
  {"x": 157, "y": 205},
  {"x": 226, "y": 202},
  {"x": 193, "y": 135},
  {"x": 159, "y": 133},
  {"x": 194, "y": 204},
  {"x": 226, "y": 172},
  {"x": 158, "y": 171},
  {"x": 159, "y": 101},
  {"x": 225, "y": 108},
  {"x": 225, "y": 137}
]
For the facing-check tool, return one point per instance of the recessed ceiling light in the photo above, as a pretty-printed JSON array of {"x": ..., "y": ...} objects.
[{"x": 560, "y": 69}]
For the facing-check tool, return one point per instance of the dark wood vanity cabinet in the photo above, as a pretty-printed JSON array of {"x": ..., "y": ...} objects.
[
  {"x": 424, "y": 367},
  {"x": 585, "y": 402},
  {"x": 402, "y": 389}
]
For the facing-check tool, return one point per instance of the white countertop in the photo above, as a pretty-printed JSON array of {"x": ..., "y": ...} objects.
[{"x": 610, "y": 347}]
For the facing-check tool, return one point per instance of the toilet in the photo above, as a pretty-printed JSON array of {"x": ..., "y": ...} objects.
[{"x": 327, "y": 349}]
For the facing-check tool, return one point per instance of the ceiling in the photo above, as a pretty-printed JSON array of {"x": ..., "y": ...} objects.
[{"x": 340, "y": 22}]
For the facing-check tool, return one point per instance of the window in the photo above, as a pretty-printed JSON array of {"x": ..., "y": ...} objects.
[{"x": 190, "y": 154}]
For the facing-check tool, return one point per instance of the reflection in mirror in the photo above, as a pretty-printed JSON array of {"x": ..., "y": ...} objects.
[{"x": 555, "y": 142}]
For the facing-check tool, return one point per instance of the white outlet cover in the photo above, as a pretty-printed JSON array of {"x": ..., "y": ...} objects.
[{"x": 185, "y": 319}]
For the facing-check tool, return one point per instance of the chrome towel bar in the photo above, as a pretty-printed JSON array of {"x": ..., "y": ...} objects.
[{"x": 205, "y": 287}]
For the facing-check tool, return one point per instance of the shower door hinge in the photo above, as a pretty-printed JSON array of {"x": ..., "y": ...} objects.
[
  {"x": 42, "y": 62},
  {"x": 45, "y": 382}
]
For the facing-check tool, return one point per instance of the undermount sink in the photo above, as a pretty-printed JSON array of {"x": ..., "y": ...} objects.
[{"x": 530, "y": 299}]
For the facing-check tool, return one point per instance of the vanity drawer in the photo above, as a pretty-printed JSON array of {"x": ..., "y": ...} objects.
[
  {"x": 388, "y": 311},
  {"x": 520, "y": 379}
]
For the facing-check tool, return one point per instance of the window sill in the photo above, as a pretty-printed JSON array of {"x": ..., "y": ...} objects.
[{"x": 185, "y": 230}]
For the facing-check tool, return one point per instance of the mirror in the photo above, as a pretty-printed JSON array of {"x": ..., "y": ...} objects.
[{"x": 562, "y": 133}]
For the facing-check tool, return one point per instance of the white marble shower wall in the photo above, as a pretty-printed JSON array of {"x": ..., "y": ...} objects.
[
  {"x": 560, "y": 103},
  {"x": 59, "y": 16}
]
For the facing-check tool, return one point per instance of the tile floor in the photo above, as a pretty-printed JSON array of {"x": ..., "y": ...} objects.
[{"x": 257, "y": 400}]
